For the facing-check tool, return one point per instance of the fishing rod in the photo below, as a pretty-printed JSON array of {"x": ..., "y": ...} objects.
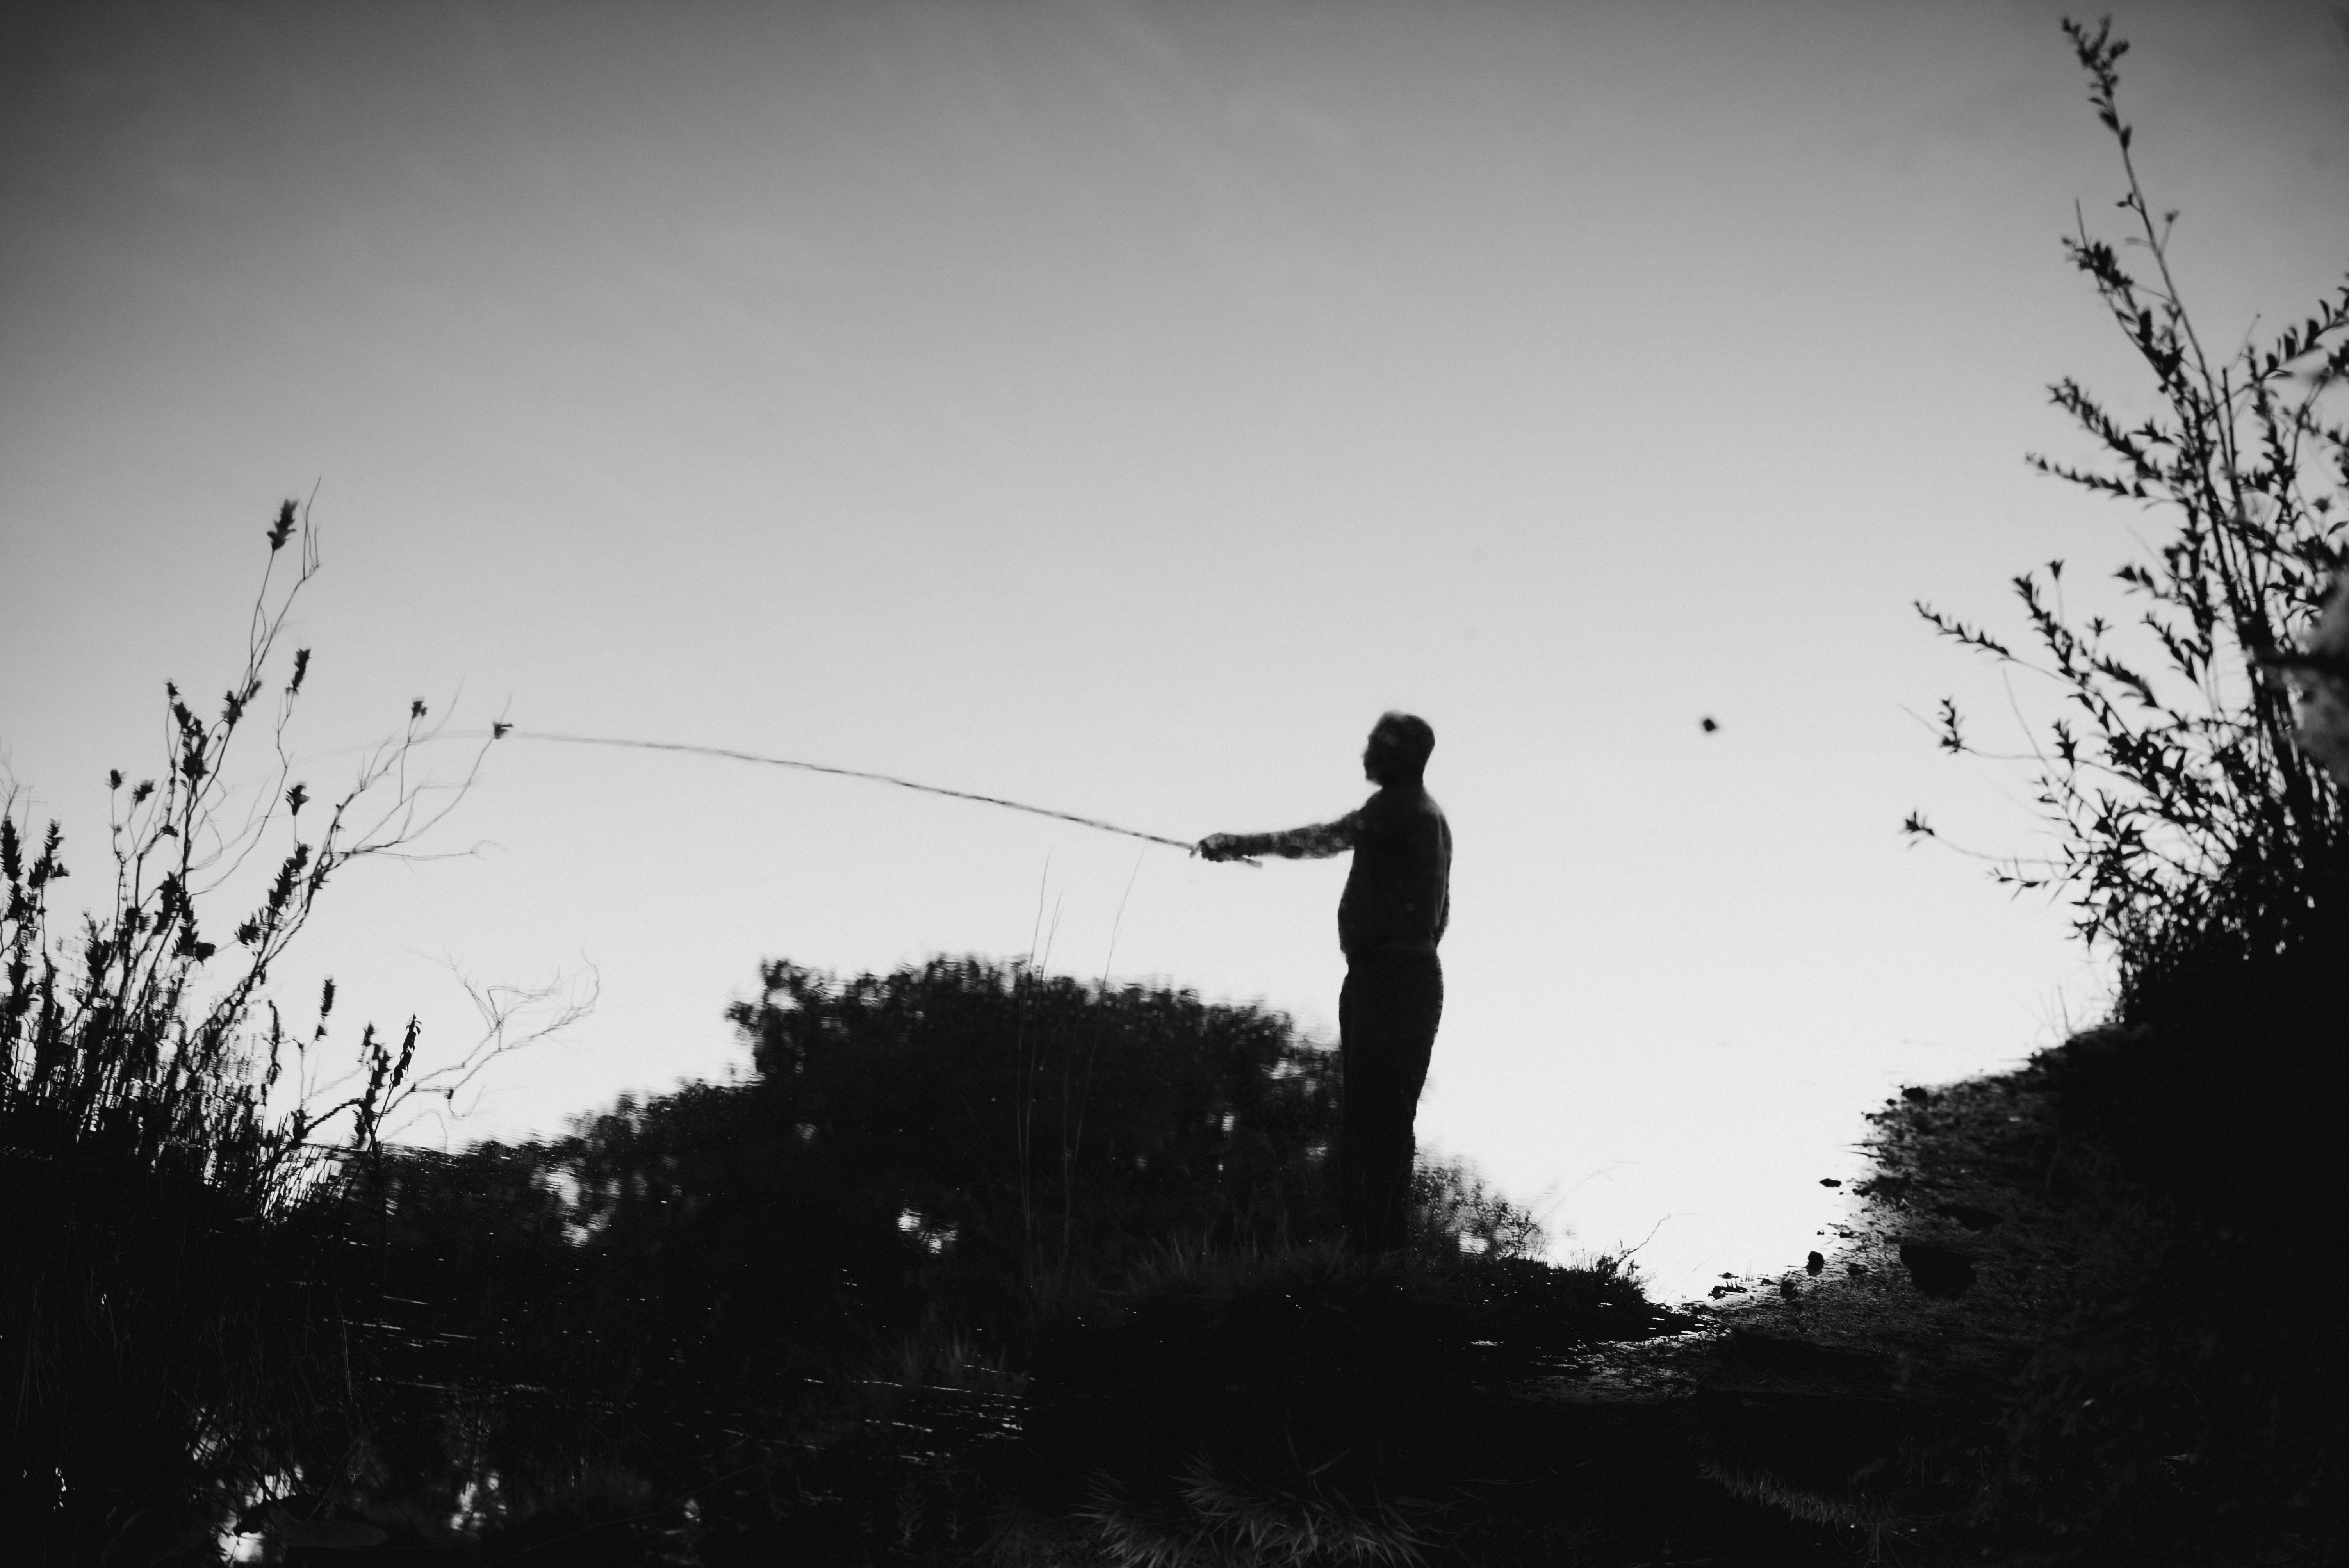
[{"x": 505, "y": 732}]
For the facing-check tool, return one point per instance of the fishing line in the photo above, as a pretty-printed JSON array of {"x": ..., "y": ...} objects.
[{"x": 509, "y": 732}]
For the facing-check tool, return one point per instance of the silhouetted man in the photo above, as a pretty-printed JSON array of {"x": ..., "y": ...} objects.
[{"x": 1397, "y": 902}]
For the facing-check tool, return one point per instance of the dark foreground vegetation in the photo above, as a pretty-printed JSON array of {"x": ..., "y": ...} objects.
[
  {"x": 987, "y": 1265},
  {"x": 2187, "y": 1403},
  {"x": 973, "y": 1236}
]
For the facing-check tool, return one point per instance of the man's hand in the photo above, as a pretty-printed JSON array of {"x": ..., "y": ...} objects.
[{"x": 1218, "y": 847}]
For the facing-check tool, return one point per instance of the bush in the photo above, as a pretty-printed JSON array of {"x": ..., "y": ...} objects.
[
  {"x": 2190, "y": 1406},
  {"x": 161, "y": 1324},
  {"x": 2189, "y": 820},
  {"x": 1023, "y": 1126}
]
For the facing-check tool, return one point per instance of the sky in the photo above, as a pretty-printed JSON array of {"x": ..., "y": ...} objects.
[{"x": 1116, "y": 406}]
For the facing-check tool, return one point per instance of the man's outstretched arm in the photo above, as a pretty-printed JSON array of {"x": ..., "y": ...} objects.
[{"x": 1316, "y": 842}]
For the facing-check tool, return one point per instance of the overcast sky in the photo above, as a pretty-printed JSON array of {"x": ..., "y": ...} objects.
[{"x": 1116, "y": 406}]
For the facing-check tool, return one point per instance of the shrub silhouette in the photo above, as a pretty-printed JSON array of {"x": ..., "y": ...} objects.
[
  {"x": 1039, "y": 1121},
  {"x": 159, "y": 1320},
  {"x": 2189, "y": 821},
  {"x": 2194, "y": 1399}
]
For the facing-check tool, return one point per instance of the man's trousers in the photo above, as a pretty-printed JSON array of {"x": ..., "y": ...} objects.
[{"x": 1387, "y": 1015}]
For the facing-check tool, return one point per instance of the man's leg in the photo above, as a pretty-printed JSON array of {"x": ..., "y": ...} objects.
[
  {"x": 1386, "y": 1018},
  {"x": 1357, "y": 1092}
]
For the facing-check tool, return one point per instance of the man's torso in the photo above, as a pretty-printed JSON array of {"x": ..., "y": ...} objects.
[{"x": 1398, "y": 894}]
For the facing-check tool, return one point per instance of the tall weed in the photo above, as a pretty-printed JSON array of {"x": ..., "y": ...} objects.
[
  {"x": 2188, "y": 818},
  {"x": 166, "y": 1206},
  {"x": 2186, "y": 1406}
]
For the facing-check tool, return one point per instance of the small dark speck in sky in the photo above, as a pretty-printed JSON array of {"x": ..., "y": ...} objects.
[{"x": 1709, "y": 725}]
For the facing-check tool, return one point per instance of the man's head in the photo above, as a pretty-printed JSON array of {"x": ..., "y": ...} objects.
[{"x": 1398, "y": 748}]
